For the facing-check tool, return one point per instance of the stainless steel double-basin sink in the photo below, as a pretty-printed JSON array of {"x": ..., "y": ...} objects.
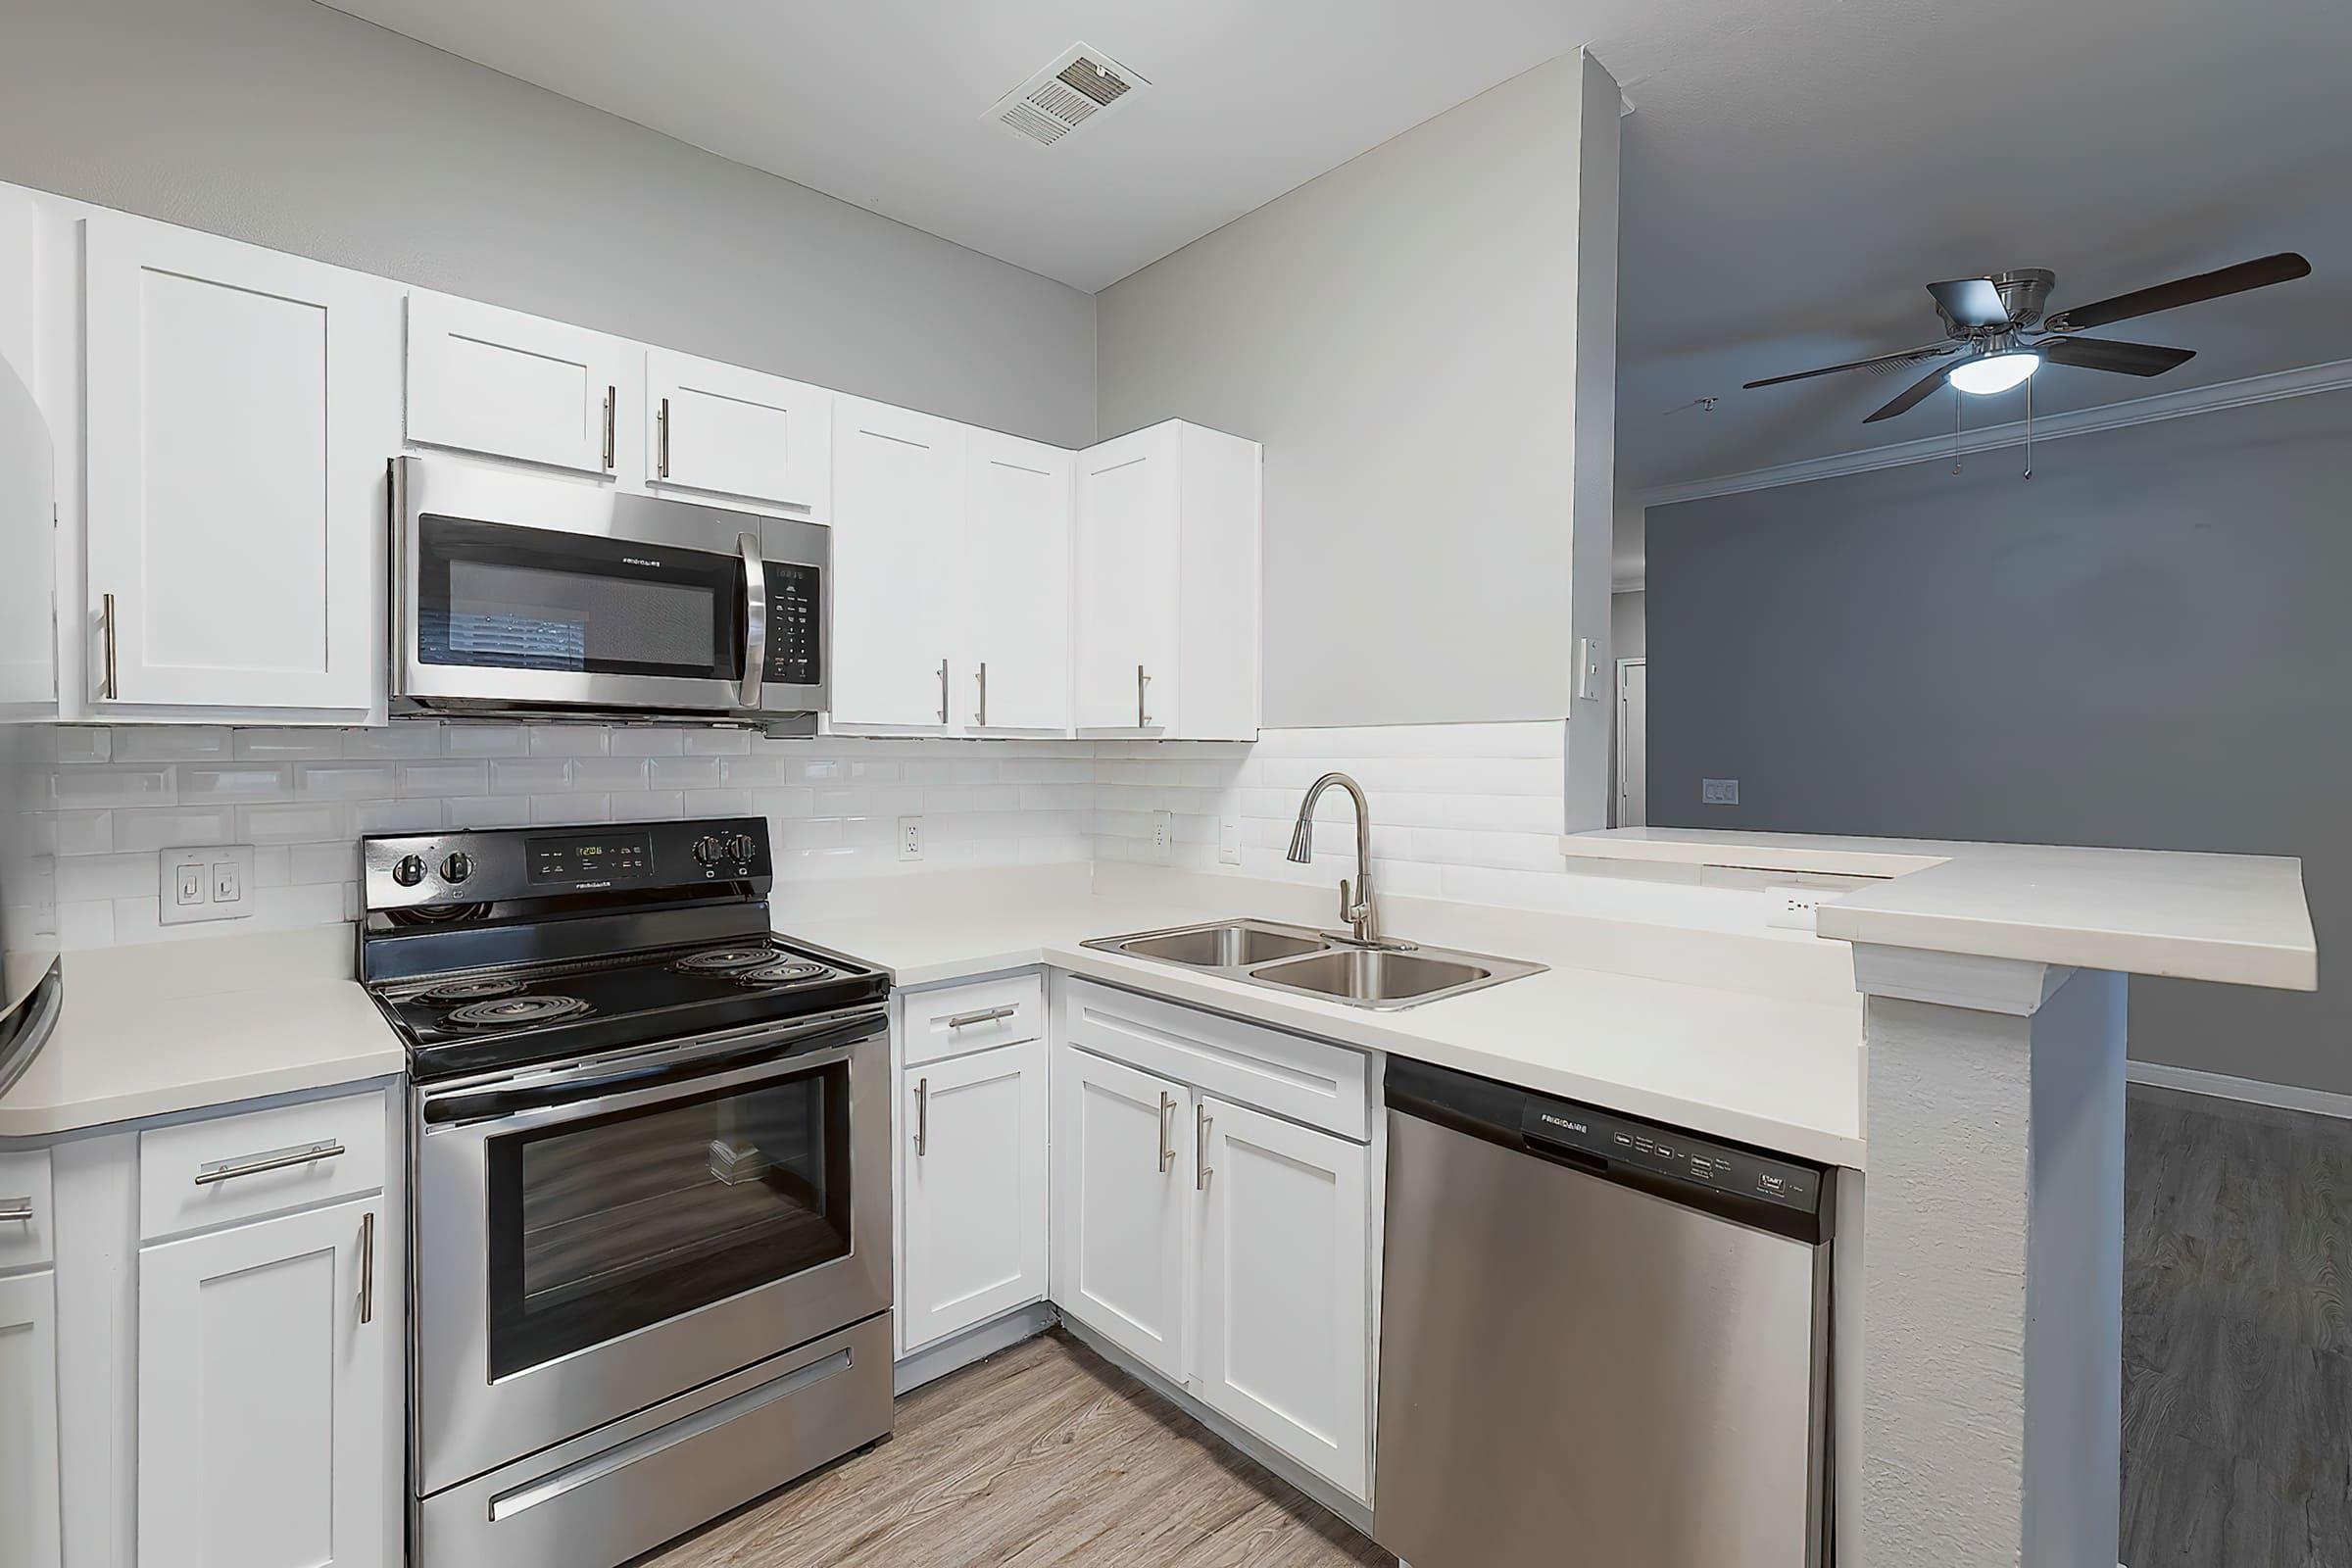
[{"x": 1315, "y": 964}]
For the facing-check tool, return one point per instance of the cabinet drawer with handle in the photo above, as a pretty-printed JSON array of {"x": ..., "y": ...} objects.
[
  {"x": 202, "y": 1173},
  {"x": 955, "y": 1019},
  {"x": 25, "y": 1209}
]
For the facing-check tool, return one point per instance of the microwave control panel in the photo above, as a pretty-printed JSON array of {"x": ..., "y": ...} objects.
[{"x": 794, "y": 627}]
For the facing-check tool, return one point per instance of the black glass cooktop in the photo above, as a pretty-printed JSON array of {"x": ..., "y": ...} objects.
[{"x": 481, "y": 1019}]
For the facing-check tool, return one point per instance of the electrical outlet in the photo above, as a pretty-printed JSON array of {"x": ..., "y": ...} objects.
[
  {"x": 911, "y": 837},
  {"x": 204, "y": 882},
  {"x": 1794, "y": 908},
  {"x": 1719, "y": 791},
  {"x": 1163, "y": 834},
  {"x": 1229, "y": 839}
]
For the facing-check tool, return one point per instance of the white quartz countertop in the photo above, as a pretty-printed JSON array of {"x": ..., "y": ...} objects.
[
  {"x": 1778, "y": 1066},
  {"x": 2237, "y": 918},
  {"x": 174, "y": 1026}
]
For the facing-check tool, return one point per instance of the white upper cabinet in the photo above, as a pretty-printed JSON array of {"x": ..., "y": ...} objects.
[
  {"x": 482, "y": 379},
  {"x": 1168, "y": 584},
  {"x": 738, "y": 433},
  {"x": 240, "y": 408},
  {"x": 898, "y": 549},
  {"x": 1015, "y": 593}
]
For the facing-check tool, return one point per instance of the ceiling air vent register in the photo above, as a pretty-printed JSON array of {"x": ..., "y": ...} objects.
[{"x": 1067, "y": 93}]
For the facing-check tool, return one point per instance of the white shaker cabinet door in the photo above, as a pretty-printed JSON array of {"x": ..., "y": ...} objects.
[
  {"x": 241, "y": 408},
  {"x": 261, "y": 1391},
  {"x": 28, "y": 1465},
  {"x": 1122, "y": 1199},
  {"x": 1016, "y": 583},
  {"x": 898, "y": 549},
  {"x": 1129, "y": 555},
  {"x": 512, "y": 385},
  {"x": 738, "y": 433},
  {"x": 974, "y": 1175},
  {"x": 1283, "y": 1310}
]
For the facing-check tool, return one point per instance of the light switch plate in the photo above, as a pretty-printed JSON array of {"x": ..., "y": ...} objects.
[{"x": 219, "y": 875}]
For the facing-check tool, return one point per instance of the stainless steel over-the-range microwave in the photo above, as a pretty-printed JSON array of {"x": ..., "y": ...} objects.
[{"x": 518, "y": 592}]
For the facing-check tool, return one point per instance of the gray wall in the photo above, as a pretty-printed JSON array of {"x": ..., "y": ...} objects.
[
  {"x": 2145, "y": 644},
  {"x": 294, "y": 126},
  {"x": 1403, "y": 335}
]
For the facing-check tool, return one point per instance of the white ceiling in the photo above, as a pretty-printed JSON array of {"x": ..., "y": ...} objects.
[{"x": 1793, "y": 171}]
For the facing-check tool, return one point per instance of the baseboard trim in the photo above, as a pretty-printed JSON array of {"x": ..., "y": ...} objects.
[
  {"x": 2253, "y": 1091},
  {"x": 936, "y": 1361}
]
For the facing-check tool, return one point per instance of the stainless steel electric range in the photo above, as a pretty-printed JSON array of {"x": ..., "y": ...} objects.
[{"x": 650, "y": 1194}]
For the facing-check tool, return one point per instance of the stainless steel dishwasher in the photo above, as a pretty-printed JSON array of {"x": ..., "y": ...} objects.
[{"x": 1602, "y": 1340}]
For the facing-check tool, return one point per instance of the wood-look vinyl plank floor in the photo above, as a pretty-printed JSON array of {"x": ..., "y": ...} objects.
[
  {"x": 1045, "y": 1455},
  {"x": 2238, "y": 1406},
  {"x": 2237, "y": 1354}
]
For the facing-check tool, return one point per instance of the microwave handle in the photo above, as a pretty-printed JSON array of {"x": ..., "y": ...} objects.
[{"x": 755, "y": 621}]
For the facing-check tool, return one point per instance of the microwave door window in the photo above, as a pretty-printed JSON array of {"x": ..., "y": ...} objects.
[{"x": 499, "y": 598}]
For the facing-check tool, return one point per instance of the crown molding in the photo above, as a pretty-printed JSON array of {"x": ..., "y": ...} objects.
[{"x": 2333, "y": 376}]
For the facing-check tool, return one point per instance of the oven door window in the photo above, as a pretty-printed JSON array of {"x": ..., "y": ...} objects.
[
  {"x": 493, "y": 597},
  {"x": 605, "y": 1226}
]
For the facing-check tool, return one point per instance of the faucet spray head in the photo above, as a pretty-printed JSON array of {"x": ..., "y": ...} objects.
[{"x": 1302, "y": 840}]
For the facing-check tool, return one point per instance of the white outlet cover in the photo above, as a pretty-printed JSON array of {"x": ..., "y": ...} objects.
[
  {"x": 1229, "y": 839},
  {"x": 1793, "y": 908},
  {"x": 911, "y": 837},
  {"x": 215, "y": 864},
  {"x": 1163, "y": 834}
]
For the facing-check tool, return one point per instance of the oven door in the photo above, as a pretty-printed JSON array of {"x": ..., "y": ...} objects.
[
  {"x": 594, "y": 1238},
  {"x": 515, "y": 590}
]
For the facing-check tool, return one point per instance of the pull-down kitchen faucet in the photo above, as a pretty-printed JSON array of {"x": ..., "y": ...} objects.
[{"x": 1356, "y": 905}]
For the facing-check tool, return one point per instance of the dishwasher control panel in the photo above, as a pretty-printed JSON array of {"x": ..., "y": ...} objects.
[{"x": 1663, "y": 1151}]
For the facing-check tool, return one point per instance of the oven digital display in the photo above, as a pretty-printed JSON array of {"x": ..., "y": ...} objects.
[{"x": 605, "y": 858}]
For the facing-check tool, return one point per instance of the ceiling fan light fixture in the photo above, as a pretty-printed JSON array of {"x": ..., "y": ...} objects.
[{"x": 1996, "y": 372}]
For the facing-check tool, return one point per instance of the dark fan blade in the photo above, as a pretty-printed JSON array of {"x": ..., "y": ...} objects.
[
  {"x": 1971, "y": 302},
  {"x": 1884, "y": 362},
  {"x": 2283, "y": 267},
  {"x": 2106, "y": 354},
  {"x": 1912, "y": 395}
]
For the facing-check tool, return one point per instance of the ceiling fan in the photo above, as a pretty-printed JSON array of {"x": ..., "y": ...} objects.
[{"x": 1997, "y": 336}]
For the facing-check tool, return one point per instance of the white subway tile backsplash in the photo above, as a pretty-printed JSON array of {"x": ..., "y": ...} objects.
[
  {"x": 1467, "y": 810},
  {"x": 79, "y": 744}
]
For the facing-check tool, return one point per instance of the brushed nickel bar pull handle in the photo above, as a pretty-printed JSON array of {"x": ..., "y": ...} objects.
[
  {"x": 112, "y": 686},
  {"x": 1202, "y": 1123},
  {"x": 983, "y": 1016},
  {"x": 1143, "y": 715},
  {"x": 221, "y": 1170},
  {"x": 661, "y": 430},
  {"x": 922, "y": 1117},
  {"x": 982, "y": 721},
  {"x": 1167, "y": 1148},
  {"x": 943, "y": 691},
  {"x": 16, "y": 1208},
  {"x": 367, "y": 1267},
  {"x": 611, "y": 402}
]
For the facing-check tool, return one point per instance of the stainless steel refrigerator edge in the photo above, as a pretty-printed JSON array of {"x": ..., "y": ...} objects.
[{"x": 30, "y": 986}]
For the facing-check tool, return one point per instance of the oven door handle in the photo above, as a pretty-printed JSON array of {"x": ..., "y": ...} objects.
[
  {"x": 755, "y": 617},
  {"x": 550, "y": 1093}
]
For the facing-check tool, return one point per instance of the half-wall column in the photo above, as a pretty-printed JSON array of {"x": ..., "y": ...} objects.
[{"x": 1991, "y": 1263}]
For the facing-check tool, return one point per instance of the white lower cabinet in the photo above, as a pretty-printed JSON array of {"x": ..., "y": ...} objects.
[
  {"x": 1224, "y": 1246},
  {"x": 972, "y": 1180},
  {"x": 1123, "y": 1206},
  {"x": 1283, "y": 1314},
  {"x": 262, "y": 1364},
  {"x": 28, "y": 1463}
]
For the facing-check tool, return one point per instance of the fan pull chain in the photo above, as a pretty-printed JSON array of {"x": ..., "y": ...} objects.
[
  {"x": 1958, "y": 403},
  {"x": 2029, "y": 427}
]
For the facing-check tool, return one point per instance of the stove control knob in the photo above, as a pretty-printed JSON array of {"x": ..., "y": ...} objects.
[
  {"x": 706, "y": 851},
  {"x": 458, "y": 868},
  {"x": 410, "y": 871},
  {"x": 741, "y": 848}
]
